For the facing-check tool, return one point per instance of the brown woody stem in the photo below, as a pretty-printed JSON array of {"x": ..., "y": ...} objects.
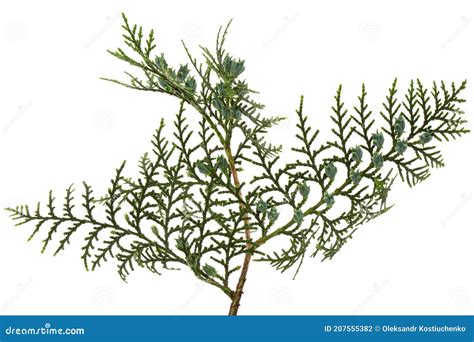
[{"x": 237, "y": 294}]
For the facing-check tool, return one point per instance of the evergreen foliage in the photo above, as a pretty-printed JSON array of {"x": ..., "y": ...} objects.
[{"x": 188, "y": 208}]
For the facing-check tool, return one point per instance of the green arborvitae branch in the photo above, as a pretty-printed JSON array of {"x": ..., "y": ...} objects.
[{"x": 190, "y": 207}]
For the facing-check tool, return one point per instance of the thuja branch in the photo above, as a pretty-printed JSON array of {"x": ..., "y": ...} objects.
[{"x": 189, "y": 206}]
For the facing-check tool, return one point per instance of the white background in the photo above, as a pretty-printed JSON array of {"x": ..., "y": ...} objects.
[{"x": 60, "y": 124}]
